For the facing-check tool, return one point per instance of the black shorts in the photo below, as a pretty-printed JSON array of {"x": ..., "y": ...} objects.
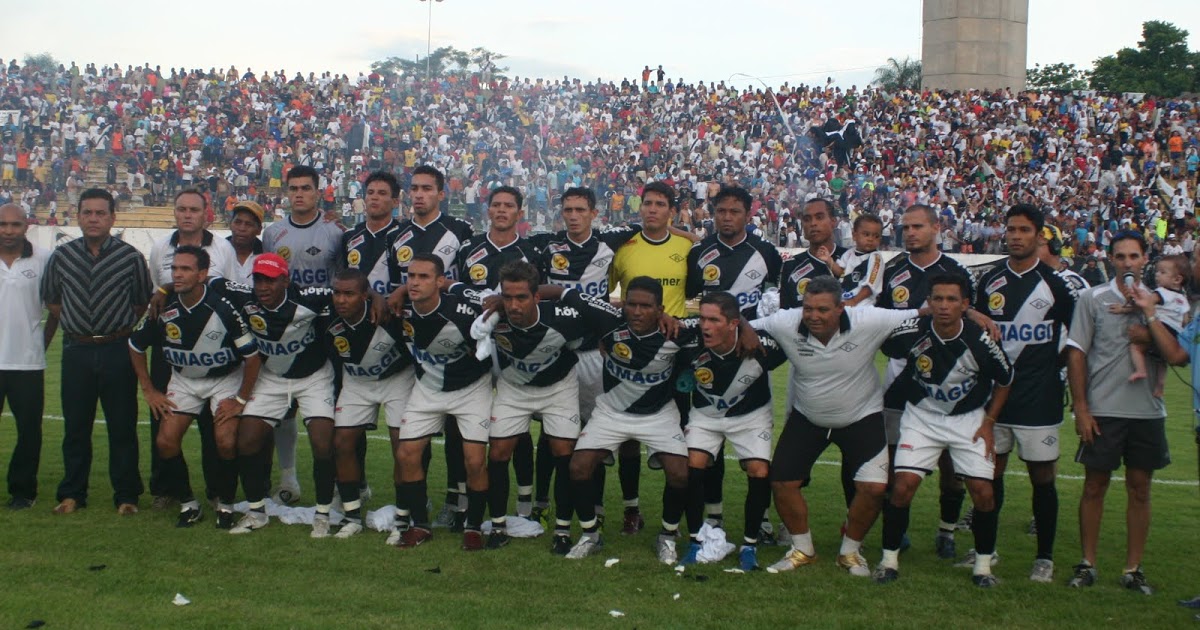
[
  {"x": 1140, "y": 442},
  {"x": 863, "y": 445}
]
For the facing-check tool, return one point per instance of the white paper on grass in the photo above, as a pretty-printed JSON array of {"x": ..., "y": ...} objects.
[{"x": 180, "y": 600}]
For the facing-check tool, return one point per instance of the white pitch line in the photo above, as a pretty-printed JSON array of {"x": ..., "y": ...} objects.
[{"x": 822, "y": 462}]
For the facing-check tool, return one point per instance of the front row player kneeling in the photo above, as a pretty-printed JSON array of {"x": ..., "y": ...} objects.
[{"x": 955, "y": 367}]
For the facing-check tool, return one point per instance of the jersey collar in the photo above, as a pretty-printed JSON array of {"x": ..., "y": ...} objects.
[
  {"x": 366, "y": 312},
  {"x": 206, "y": 238},
  {"x": 961, "y": 328},
  {"x": 302, "y": 226},
  {"x": 26, "y": 249},
  {"x": 745, "y": 236},
  {"x": 414, "y": 223},
  {"x": 533, "y": 325},
  {"x": 201, "y": 301},
  {"x": 1019, "y": 274}
]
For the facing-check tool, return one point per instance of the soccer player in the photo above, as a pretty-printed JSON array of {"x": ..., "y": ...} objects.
[
  {"x": 956, "y": 370},
  {"x": 818, "y": 220},
  {"x": 1116, "y": 419},
  {"x": 366, "y": 245},
  {"x": 481, "y": 257},
  {"x": 245, "y": 226},
  {"x": 832, "y": 351},
  {"x": 1032, "y": 305},
  {"x": 312, "y": 249},
  {"x": 215, "y": 361},
  {"x": 731, "y": 400},
  {"x": 376, "y": 375},
  {"x": 451, "y": 381},
  {"x": 862, "y": 267}
]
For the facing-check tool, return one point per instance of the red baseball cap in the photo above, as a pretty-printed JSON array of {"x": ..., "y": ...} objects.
[{"x": 270, "y": 265}]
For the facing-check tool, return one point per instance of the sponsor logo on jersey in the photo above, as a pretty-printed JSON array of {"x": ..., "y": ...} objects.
[
  {"x": 279, "y": 348},
  {"x": 712, "y": 255},
  {"x": 353, "y": 258},
  {"x": 900, "y": 295},
  {"x": 258, "y": 323},
  {"x": 802, "y": 286},
  {"x": 875, "y": 268},
  {"x": 169, "y": 315},
  {"x": 404, "y": 238},
  {"x": 337, "y": 328},
  {"x": 704, "y": 377},
  {"x": 183, "y": 358},
  {"x": 559, "y": 247},
  {"x": 803, "y": 271},
  {"x": 284, "y": 252},
  {"x": 621, "y": 351},
  {"x": 924, "y": 365},
  {"x": 356, "y": 241},
  {"x": 173, "y": 333},
  {"x": 949, "y": 394},
  {"x": 558, "y": 262},
  {"x": 404, "y": 254},
  {"x": 996, "y": 284},
  {"x": 712, "y": 274},
  {"x": 478, "y": 273},
  {"x": 342, "y": 345},
  {"x": 996, "y": 302},
  {"x": 900, "y": 277},
  {"x": 408, "y": 329},
  {"x": 504, "y": 343},
  {"x": 477, "y": 256},
  {"x": 621, "y": 335},
  {"x": 637, "y": 377}
]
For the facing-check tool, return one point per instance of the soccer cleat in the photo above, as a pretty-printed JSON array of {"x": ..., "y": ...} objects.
[
  {"x": 1043, "y": 571},
  {"x": 985, "y": 581},
  {"x": 350, "y": 528},
  {"x": 161, "y": 502},
  {"x": 189, "y": 517},
  {"x": 715, "y": 521},
  {"x": 561, "y": 545},
  {"x": 251, "y": 521},
  {"x": 1084, "y": 576},
  {"x": 1032, "y": 531},
  {"x": 665, "y": 547},
  {"x": 885, "y": 575},
  {"x": 766, "y": 534},
  {"x": 599, "y": 520},
  {"x": 414, "y": 537},
  {"x": 585, "y": 547},
  {"x": 855, "y": 564},
  {"x": 783, "y": 538},
  {"x": 460, "y": 522},
  {"x": 225, "y": 520},
  {"x": 19, "y": 503},
  {"x": 498, "y": 539},
  {"x": 968, "y": 560},
  {"x": 541, "y": 515},
  {"x": 364, "y": 493},
  {"x": 472, "y": 541},
  {"x": 964, "y": 523},
  {"x": 748, "y": 558},
  {"x": 690, "y": 557},
  {"x": 1190, "y": 603},
  {"x": 944, "y": 544},
  {"x": 1135, "y": 580},
  {"x": 794, "y": 559},
  {"x": 633, "y": 522},
  {"x": 445, "y": 517},
  {"x": 320, "y": 528}
]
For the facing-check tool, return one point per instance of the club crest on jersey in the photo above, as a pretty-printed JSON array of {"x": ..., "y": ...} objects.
[
  {"x": 996, "y": 284},
  {"x": 924, "y": 365},
  {"x": 169, "y": 315},
  {"x": 900, "y": 295},
  {"x": 709, "y": 257},
  {"x": 712, "y": 274},
  {"x": 622, "y": 351},
  {"x": 704, "y": 377},
  {"x": 504, "y": 343},
  {"x": 478, "y": 273},
  {"x": 404, "y": 254},
  {"x": 353, "y": 258},
  {"x": 408, "y": 329},
  {"x": 558, "y": 262},
  {"x": 258, "y": 323},
  {"x": 285, "y": 253},
  {"x": 342, "y": 345},
  {"x": 802, "y": 286},
  {"x": 173, "y": 333},
  {"x": 996, "y": 302}
]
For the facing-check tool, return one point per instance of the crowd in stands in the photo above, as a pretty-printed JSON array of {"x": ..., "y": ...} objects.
[{"x": 1094, "y": 163}]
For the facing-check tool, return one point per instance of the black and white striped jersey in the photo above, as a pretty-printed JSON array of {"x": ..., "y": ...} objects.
[
  {"x": 639, "y": 371},
  {"x": 861, "y": 269},
  {"x": 948, "y": 376},
  {"x": 440, "y": 341},
  {"x": 740, "y": 270},
  {"x": 367, "y": 251},
  {"x": 313, "y": 250},
  {"x": 543, "y": 354},
  {"x": 906, "y": 284},
  {"x": 1032, "y": 309},
  {"x": 443, "y": 237},
  {"x": 729, "y": 386},
  {"x": 209, "y": 339},
  {"x": 367, "y": 352},
  {"x": 288, "y": 335},
  {"x": 479, "y": 260},
  {"x": 797, "y": 272},
  {"x": 581, "y": 266}
]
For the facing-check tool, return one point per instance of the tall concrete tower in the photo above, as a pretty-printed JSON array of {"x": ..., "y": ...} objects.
[{"x": 974, "y": 44}]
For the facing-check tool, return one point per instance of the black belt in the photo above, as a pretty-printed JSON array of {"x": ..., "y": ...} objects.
[{"x": 96, "y": 340}]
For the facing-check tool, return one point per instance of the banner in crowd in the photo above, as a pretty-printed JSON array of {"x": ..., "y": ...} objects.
[{"x": 10, "y": 118}]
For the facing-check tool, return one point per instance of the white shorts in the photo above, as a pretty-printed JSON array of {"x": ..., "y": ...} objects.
[
  {"x": 590, "y": 371},
  {"x": 1037, "y": 444},
  {"x": 359, "y": 403},
  {"x": 557, "y": 405},
  {"x": 609, "y": 428},
  {"x": 427, "y": 411},
  {"x": 749, "y": 434},
  {"x": 274, "y": 395},
  {"x": 190, "y": 394},
  {"x": 924, "y": 435}
]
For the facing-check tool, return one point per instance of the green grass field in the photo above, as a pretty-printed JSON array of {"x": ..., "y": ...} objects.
[{"x": 278, "y": 577}]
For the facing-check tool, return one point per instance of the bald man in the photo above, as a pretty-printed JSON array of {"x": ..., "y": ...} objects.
[{"x": 22, "y": 355}]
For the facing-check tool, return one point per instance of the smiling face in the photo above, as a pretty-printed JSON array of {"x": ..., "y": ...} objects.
[{"x": 822, "y": 313}]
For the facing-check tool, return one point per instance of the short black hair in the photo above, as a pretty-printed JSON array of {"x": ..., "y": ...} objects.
[
  {"x": 649, "y": 285},
  {"x": 736, "y": 192},
  {"x": 830, "y": 209},
  {"x": 724, "y": 301},
  {"x": 430, "y": 258},
  {"x": 426, "y": 169},
  {"x": 302, "y": 170},
  {"x": 579, "y": 191},
  {"x": 867, "y": 218},
  {"x": 958, "y": 280},
  {"x": 97, "y": 193},
  {"x": 824, "y": 284},
  {"x": 202, "y": 258},
  {"x": 662, "y": 189},
  {"x": 510, "y": 190},
  {"x": 521, "y": 271},
  {"x": 1034, "y": 215},
  {"x": 1127, "y": 235},
  {"x": 385, "y": 177},
  {"x": 360, "y": 280}
]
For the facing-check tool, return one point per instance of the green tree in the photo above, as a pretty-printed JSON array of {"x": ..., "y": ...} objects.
[
  {"x": 1056, "y": 76},
  {"x": 444, "y": 62},
  {"x": 42, "y": 62},
  {"x": 1161, "y": 64},
  {"x": 899, "y": 75}
]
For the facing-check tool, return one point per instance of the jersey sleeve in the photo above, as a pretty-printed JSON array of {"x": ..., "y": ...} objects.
[
  {"x": 145, "y": 334},
  {"x": 615, "y": 237},
  {"x": 597, "y": 312},
  {"x": 472, "y": 298},
  {"x": 1065, "y": 297},
  {"x": 316, "y": 299},
  {"x": 774, "y": 353},
  {"x": 237, "y": 331},
  {"x": 1083, "y": 323},
  {"x": 902, "y": 339},
  {"x": 695, "y": 276},
  {"x": 872, "y": 277},
  {"x": 993, "y": 363}
]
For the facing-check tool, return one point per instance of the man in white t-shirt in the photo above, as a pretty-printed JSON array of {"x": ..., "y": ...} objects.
[{"x": 22, "y": 350}]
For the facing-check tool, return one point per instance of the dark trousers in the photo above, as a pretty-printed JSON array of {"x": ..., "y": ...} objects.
[
  {"x": 90, "y": 374},
  {"x": 24, "y": 390},
  {"x": 160, "y": 482}
]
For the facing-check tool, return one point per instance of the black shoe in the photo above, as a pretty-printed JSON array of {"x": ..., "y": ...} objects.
[
  {"x": 1190, "y": 603},
  {"x": 225, "y": 520},
  {"x": 497, "y": 539},
  {"x": 460, "y": 522},
  {"x": 19, "y": 503},
  {"x": 1135, "y": 580},
  {"x": 562, "y": 545},
  {"x": 189, "y": 517}
]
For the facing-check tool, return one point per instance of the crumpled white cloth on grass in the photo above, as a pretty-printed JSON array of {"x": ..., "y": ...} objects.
[
  {"x": 713, "y": 545},
  {"x": 292, "y": 515},
  {"x": 381, "y": 520},
  {"x": 482, "y": 327}
]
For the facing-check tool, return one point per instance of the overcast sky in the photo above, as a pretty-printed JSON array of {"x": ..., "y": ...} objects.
[{"x": 800, "y": 41}]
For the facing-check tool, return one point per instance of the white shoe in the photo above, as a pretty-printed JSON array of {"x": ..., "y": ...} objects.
[
  {"x": 250, "y": 521},
  {"x": 1043, "y": 571},
  {"x": 855, "y": 564},
  {"x": 320, "y": 528},
  {"x": 584, "y": 548},
  {"x": 666, "y": 551},
  {"x": 349, "y": 529},
  {"x": 968, "y": 560}
]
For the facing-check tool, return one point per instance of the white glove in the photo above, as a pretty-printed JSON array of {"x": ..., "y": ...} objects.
[
  {"x": 768, "y": 302},
  {"x": 481, "y": 332}
]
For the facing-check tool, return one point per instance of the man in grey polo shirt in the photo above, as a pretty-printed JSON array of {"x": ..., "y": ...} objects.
[{"x": 1117, "y": 420}]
